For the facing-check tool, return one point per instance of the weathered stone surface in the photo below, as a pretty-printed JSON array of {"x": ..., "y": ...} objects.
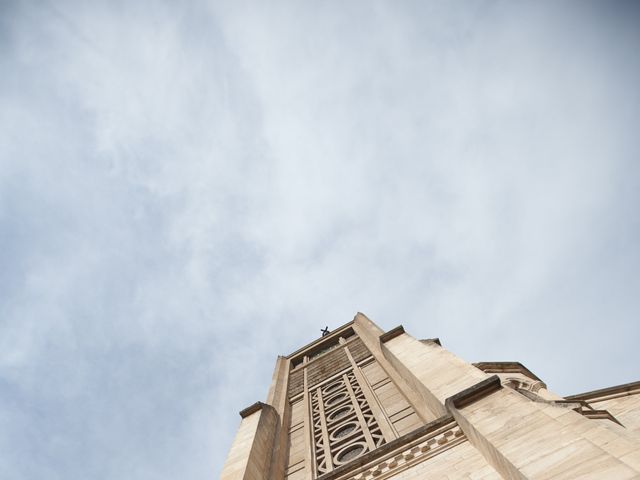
[{"x": 251, "y": 452}]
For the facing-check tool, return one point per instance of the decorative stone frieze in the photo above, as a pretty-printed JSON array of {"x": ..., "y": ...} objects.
[{"x": 429, "y": 447}]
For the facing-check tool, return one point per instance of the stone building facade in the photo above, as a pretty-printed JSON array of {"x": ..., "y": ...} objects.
[{"x": 363, "y": 404}]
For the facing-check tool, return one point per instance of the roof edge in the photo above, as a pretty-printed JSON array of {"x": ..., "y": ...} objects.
[{"x": 632, "y": 388}]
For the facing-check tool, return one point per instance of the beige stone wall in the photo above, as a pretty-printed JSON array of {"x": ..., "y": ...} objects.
[
  {"x": 626, "y": 409},
  {"x": 296, "y": 443},
  {"x": 263, "y": 445},
  {"x": 526, "y": 439},
  {"x": 460, "y": 462},
  {"x": 238, "y": 456},
  {"x": 394, "y": 404},
  {"x": 370, "y": 333},
  {"x": 251, "y": 454},
  {"x": 435, "y": 373}
]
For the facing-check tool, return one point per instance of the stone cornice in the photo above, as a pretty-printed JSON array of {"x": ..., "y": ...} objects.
[
  {"x": 256, "y": 407},
  {"x": 393, "y": 333},
  {"x": 506, "y": 367},
  {"x": 473, "y": 393},
  {"x": 402, "y": 453}
]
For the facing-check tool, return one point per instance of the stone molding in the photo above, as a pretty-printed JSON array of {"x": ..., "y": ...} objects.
[
  {"x": 393, "y": 333},
  {"x": 402, "y": 453},
  {"x": 251, "y": 409},
  {"x": 425, "y": 450},
  {"x": 520, "y": 385},
  {"x": 473, "y": 393},
  {"x": 507, "y": 367}
]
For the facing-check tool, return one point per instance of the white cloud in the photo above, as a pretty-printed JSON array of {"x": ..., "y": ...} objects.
[{"x": 188, "y": 191}]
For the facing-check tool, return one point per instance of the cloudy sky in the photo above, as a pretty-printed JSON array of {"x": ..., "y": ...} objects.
[{"x": 188, "y": 189}]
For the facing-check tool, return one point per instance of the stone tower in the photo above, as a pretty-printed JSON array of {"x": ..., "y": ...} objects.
[{"x": 363, "y": 404}]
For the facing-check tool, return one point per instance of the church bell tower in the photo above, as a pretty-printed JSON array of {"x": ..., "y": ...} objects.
[{"x": 362, "y": 404}]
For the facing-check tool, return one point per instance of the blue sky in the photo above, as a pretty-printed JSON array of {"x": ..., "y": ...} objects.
[{"x": 188, "y": 189}]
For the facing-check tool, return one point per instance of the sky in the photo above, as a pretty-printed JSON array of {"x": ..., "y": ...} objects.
[{"x": 189, "y": 189}]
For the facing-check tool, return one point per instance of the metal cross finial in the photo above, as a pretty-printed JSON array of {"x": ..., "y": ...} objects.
[{"x": 325, "y": 331}]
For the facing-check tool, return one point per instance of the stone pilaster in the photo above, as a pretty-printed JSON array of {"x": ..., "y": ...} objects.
[
  {"x": 370, "y": 334},
  {"x": 277, "y": 398},
  {"x": 251, "y": 452}
]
